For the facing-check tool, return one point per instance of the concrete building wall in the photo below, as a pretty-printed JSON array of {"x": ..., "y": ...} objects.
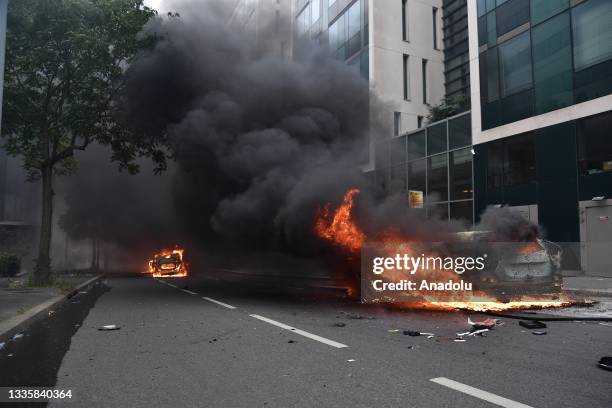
[{"x": 387, "y": 51}]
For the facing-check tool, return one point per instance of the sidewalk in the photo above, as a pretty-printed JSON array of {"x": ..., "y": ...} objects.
[
  {"x": 588, "y": 285},
  {"x": 20, "y": 304}
]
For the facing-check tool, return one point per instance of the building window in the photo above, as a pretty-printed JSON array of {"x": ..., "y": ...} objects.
[
  {"x": 417, "y": 176},
  {"x": 424, "y": 73},
  {"x": 397, "y": 123},
  {"x": 515, "y": 64},
  {"x": 544, "y": 9},
  {"x": 460, "y": 172},
  {"x": 434, "y": 16},
  {"x": 595, "y": 144},
  {"x": 512, "y": 14},
  {"x": 416, "y": 145},
  {"x": 405, "y": 25},
  {"x": 436, "y": 139},
  {"x": 552, "y": 64},
  {"x": 512, "y": 161},
  {"x": 592, "y": 28},
  {"x": 406, "y": 73},
  {"x": 460, "y": 132},
  {"x": 345, "y": 32},
  {"x": 437, "y": 178}
]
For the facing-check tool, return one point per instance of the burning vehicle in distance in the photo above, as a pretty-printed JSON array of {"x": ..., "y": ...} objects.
[{"x": 168, "y": 264}]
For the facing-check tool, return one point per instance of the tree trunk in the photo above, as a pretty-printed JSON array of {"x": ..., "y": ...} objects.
[
  {"x": 98, "y": 250},
  {"x": 42, "y": 272},
  {"x": 94, "y": 251}
]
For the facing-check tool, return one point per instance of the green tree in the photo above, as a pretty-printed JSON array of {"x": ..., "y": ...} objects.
[
  {"x": 448, "y": 107},
  {"x": 65, "y": 65}
]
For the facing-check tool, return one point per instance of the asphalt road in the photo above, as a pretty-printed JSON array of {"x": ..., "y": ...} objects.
[{"x": 224, "y": 343}]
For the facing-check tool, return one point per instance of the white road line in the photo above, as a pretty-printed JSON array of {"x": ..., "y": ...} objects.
[
  {"x": 188, "y": 291},
  {"x": 300, "y": 332},
  {"x": 170, "y": 284},
  {"x": 475, "y": 392},
  {"x": 219, "y": 303}
]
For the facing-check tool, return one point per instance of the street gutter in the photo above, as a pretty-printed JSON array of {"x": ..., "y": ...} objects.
[{"x": 19, "y": 323}]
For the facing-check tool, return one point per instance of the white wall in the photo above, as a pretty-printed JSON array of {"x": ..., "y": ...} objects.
[{"x": 386, "y": 57}]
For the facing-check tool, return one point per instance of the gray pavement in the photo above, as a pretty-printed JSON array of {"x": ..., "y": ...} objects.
[{"x": 176, "y": 349}]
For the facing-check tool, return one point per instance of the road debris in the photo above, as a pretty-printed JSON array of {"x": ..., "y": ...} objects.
[
  {"x": 51, "y": 313},
  {"x": 355, "y": 316},
  {"x": 481, "y": 333},
  {"x": 413, "y": 333},
  {"x": 532, "y": 324},
  {"x": 339, "y": 324},
  {"x": 539, "y": 332},
  {"x": 393, "y": 330},
  {"x": 351, "y": 360},
  {"x": 17, "y": 336},
  {"x": 605, "y": 363},
  {"x": 109, "y": 327},
  {"x": 489, "y": 323},
  {"x": 292, "y": 341},
  {"x": 2, "y": 345},
  {"x": 459, "y": 340}
]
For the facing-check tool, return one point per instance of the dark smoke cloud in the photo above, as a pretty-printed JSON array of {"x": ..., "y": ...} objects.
[
  {"x": 260, "y": 144},
  {"x": 260, "y": 141}
]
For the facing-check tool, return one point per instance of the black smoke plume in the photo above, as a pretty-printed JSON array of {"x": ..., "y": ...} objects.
[{"x": 259, "y": 141}]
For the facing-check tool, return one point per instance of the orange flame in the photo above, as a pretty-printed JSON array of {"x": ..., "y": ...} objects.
[{"x": 340, "y": 229}]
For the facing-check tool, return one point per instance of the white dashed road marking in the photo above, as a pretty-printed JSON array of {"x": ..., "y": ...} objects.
[
  {"x": 219, "y": 303},
  {"x": 300, "y": 332},
  {"x": 475, "y": 392}
]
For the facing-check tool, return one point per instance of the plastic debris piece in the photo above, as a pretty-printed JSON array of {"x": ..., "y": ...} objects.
[
  {"x": 393, "y": 330},
  {"x": 539, "y": 332},
  {"x": 51, "y": 313},
  {"x": 605, "y": 363},
  {"x": 484, "y": 324},
  {"x": 17, "y": 336},
  {"x": 350, "y": 360},
  {"x": 532, "y": 324},
  {"x": 459, "y": 340},
  {"x": 291, "y": 341},
  {"x": 109, "y": 327},
  {"x": 2, "y": 345}
]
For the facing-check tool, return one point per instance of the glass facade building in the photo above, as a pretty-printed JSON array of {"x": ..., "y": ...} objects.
[
  {"x": 340, "y": 24},
  {"x": 434, "y": 163},
  {"x": 537, "y": 56},
  {"x": 456, "y": 48}
]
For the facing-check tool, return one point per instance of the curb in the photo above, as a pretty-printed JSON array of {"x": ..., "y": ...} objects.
[
  {"x": 589, "y": 292},
  {"x": 19, "y": 323}
]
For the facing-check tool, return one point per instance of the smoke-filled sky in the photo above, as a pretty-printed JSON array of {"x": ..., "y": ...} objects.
[{"x": 260, "y": 142}]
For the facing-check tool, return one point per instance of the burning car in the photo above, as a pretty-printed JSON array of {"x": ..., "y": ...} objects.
[
  {"x": 168, "y": 264},
  {"x": 517, "y": 268}
]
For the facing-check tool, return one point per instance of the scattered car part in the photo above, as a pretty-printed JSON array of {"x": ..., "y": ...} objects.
[
  {"x": 109, "y": 327},
  {"x": 532, "y": 324},
  {"x": 605, "y": 363}
]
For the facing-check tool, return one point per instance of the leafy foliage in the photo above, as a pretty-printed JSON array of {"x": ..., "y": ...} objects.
[
  {"x": 448, "y": 107},
  {"x": 65, "y": 61}
]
